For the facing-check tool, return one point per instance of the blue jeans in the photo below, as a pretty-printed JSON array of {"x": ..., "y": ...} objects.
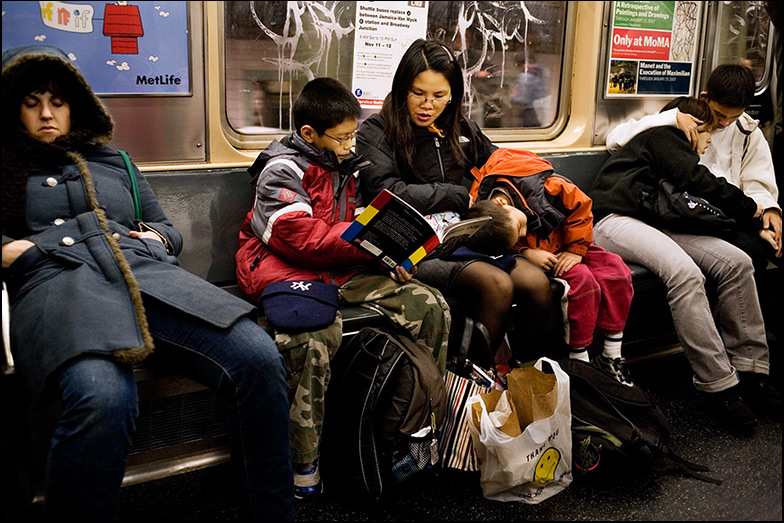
[{"x": 91, "y": 442}]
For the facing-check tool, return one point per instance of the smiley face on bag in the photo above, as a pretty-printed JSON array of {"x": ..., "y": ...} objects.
[{"x": 545, "y": 467}]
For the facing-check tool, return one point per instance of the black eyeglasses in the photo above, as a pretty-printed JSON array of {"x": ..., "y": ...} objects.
[
  {"x": 346, "y": 140},
  {"x": 437, "y": 100}
]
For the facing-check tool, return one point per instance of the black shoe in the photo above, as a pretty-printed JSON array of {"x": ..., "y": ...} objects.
[
  {"x": 616, "y": 367},
  {"x": 728, "y": 408},
  {"x": 758, "y": 392}
]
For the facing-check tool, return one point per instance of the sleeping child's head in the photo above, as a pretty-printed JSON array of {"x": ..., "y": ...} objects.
[
  {"x": 508, "y": 226},
  {"x": 700, "y": 109}
]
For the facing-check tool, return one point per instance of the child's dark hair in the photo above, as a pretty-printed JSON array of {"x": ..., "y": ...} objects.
[
  {"x": 324, "y": 103},
  {"x": 731, "y": 85},
  {"x": 499, "y": 236},
  {"x": 693, "y": 106}
]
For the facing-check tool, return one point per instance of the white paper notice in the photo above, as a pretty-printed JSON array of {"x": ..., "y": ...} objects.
[{"x": 384, "y": 30}]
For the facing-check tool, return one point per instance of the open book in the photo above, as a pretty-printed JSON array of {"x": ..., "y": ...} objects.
[{"x": 397, "y": 234}]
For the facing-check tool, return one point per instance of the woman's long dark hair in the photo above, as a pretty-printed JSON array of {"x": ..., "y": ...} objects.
[
  {"x": 693, "y": 106},
  {"x": 425, "y": 55}
]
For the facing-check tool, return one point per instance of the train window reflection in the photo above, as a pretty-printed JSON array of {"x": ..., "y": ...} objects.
[
  {"x": 511, "y": 54},
  {"x": 744, "y": 33}
]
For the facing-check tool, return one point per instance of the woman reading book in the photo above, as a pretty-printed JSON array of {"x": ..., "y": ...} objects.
[{"x": 422, "y": 147}]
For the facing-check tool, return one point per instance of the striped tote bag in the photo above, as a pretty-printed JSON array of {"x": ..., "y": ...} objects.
[{"x": 457, "y": 450}]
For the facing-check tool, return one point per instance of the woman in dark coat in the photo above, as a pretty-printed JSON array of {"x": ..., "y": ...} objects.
[
  {"x": 423, "y": 148},
  {"x": 93, "y": 290}
]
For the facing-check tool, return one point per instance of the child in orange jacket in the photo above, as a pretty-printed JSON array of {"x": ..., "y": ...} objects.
[{"x": 548, "y": 220}]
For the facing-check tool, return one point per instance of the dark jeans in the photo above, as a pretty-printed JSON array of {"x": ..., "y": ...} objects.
[
  {"x": 768, "y": 286},
  {"x": 92, "y": 439}
]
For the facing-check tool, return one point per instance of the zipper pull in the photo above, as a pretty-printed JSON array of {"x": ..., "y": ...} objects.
[
  {"x": 255, "y": 262},
  {"x": 434, "y": 440},
  {"x": 440, "y": 162}
]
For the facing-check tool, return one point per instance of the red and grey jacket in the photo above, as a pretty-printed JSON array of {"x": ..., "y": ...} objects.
[
  {"x": 305, "y": 199},
  {"x": 559, "y": 213}
]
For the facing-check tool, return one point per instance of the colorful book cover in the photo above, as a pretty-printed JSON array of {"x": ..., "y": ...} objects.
[{"x": 397, "y": 234}]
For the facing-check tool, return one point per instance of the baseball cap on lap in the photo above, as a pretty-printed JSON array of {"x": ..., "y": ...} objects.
[{"x": 300, "y": 305}]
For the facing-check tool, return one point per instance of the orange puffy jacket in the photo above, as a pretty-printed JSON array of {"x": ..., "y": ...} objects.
[{"x": 559, "y": 213}]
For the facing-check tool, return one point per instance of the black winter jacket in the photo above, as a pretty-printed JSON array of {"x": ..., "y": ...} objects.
[
  {"x": 662, "y": 153},
  {"x": 439, "y": 182}
]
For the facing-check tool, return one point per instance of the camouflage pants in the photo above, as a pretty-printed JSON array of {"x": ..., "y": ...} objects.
[{"x": 420, "y": 309}]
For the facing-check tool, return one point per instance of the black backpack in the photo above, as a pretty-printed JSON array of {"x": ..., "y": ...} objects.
[
  {"x": 384, "y": 407},
  {"x": 617, "y": 430}
]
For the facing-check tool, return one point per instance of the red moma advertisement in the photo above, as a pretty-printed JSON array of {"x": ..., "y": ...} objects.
[{"x": 637, "y": 44}]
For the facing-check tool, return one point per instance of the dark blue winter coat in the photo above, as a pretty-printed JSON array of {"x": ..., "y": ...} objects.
[{"x": 79, "y": 290}]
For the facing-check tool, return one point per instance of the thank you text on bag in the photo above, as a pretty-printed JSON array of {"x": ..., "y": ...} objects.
[{"x": 522, "y": 436}]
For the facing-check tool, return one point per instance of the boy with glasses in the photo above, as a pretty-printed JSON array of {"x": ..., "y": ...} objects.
[{"x": 306, "y": 198}]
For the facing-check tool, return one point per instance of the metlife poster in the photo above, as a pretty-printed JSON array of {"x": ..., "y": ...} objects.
[
  {"x": 122, "y": 48},
  {"x": 652, "y": 49}
]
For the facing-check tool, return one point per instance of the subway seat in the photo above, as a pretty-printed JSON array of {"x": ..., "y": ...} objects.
[{"x": 182, "y": 425}]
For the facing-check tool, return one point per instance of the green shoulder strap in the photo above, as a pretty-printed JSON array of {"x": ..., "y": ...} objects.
[{"x": 137, "y": 206}]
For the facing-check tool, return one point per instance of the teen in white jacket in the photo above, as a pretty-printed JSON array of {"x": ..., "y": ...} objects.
[{"x": 739, "y": 152}]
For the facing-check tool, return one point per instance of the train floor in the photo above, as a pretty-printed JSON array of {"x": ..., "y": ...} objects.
[{"x": 748, "y": 463}]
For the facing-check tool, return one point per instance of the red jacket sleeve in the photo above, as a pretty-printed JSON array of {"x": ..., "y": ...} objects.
[{"x": 312, "y": 243}]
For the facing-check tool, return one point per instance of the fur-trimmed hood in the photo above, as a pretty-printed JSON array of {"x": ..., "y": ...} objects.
[
  {"x": 90, "y": 122},
  {"x": 90, "y": 119}
]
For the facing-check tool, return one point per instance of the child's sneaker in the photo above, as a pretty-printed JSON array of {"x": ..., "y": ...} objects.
[
  {"x": 307, "y": 483},
  {"x": 616, "y": 367}
]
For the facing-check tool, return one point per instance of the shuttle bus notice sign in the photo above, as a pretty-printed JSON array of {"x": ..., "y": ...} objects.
[{"x": 384, "y": 30}]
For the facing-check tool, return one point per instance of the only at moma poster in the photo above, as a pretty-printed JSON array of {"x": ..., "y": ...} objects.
[
  {"x": 122, "y": 48},
  {"x": 652, "y": 48}
]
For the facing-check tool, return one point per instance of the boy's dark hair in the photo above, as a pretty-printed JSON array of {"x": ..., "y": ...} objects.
[
  {"x": 693, "y": 106},
  {"x": 496, "y": 237},
  {"x": 731, "y": 85},
  {"x": 324, "y": 103}
]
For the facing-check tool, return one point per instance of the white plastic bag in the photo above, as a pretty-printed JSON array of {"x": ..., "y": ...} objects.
[{"x": 535, "y": 464}]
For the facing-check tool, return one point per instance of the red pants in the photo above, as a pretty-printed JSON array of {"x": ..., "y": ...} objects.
[{"x": 600, "y": 294}]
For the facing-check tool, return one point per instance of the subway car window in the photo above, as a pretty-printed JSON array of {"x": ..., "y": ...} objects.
[
  {"x": 744, "y": 33},
  {"x": 511, "y": 54}
]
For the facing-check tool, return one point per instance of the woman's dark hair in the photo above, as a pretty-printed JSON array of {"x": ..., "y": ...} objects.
[
  {"x": 693, "y": 106},
  {"x": 496, "y": 237},
  {"x": 38, "y": 80},
  {"x": 424, "y": 55},
  {"x": 324, "y": 103}
]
